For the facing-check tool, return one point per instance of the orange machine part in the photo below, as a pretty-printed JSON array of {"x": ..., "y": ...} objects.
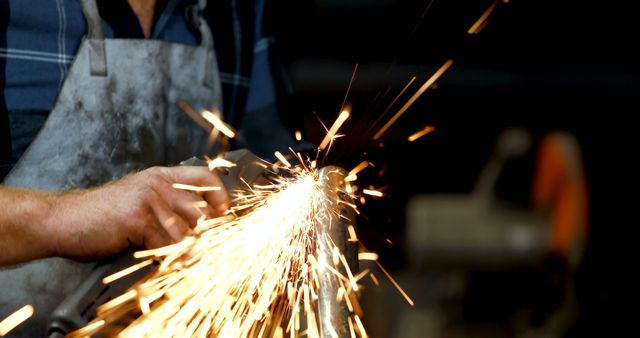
[{"x": 560, "y": 187}]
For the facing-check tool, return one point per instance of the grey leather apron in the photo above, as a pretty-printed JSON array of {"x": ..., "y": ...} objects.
[{"x": 117, "y": 112}]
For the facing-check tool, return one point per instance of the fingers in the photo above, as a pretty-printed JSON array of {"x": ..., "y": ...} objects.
[
  {"x": 186, "y": 204},
  {"x": 176, "y": 211},
  {"x": 201, "y": 176},
  {"x": 218, "y": 200},
  {"x": 170, "y": 222},
  {"x": 156, "y": 238}
]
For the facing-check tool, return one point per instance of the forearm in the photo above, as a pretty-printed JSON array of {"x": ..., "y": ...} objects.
[
  {"x": 141, "y": 209},
  {"x": 25, "y": 232}
]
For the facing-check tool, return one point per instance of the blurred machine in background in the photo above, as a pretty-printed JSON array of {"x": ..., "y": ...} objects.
[
  {"x": 480, "y": 230},
  {"x": 481, "y": 267}
]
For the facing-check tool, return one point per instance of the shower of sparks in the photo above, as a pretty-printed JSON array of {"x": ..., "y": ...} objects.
[
  {"x": 298, "y": 136},
  {"x": 483, "y": 20},
  {"x": 424, "y": 131},
  {"x": 254, "y": 272},
  {"x": 415, "y": 96},
  {"x": 257, "y": 271},
  {"x": 331, "y": 134},
  {"x": 15, "y": 319}
]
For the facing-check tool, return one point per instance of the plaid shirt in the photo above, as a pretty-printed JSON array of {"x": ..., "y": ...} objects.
[{"x": 39, "y": 38}]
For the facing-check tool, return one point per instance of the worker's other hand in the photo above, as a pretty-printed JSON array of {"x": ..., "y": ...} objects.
[{"x": 142, "y": 209}]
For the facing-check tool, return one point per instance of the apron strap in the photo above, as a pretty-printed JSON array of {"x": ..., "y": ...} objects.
[
  {"x": 95, "y": 35},
  {"x": 194, "y": 14},
  {"x": 164, "y": 18}
]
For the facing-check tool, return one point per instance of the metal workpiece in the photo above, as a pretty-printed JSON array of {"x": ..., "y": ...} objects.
[
  {"x": 246, "y": 172},
  {"x": 333, "y": 228}
]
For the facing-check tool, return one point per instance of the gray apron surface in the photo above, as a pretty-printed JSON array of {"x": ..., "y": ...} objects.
[{"x": 117, "y": 112}]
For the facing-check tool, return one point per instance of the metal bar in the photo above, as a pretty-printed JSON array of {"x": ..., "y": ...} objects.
[{"x": 334, "y": 315}]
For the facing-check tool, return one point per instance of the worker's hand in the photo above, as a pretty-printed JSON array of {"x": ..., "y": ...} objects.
[{"x": 142, "y": 209}]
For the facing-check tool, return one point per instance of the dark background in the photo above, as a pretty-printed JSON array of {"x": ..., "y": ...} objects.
[{"x": 542, "y": 65}]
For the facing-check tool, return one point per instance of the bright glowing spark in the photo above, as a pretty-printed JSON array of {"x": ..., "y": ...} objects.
[
  {"x": 282, "y": 159},
  {"x": 194, "y": 188},
  {"x": 352, "y": 233},
  {"x": 368, "y": 256},
  {"x": 361, "y": 327},
  {"x": 331, "y": 134},
  {"x": 15, "y": 319},
  {"x": 298, "y": 136},
  {"x": 200, "y": 204},
  {"x": 351, "y": 178},
  {"x": 219, "y": 124},
  {"x": 340, "y": 294},
  {"x": 415, "y": 96},
  {"x": 393, "y": 281},
  {"x": 371, "y": 192},
  {"x": 424, "y": 131},
  {"x": 346, "y": 94},
  {"x": 195, "y": 116},
  {"x": 359, "y": 168},
  {"x": 131, "y": 294},
  {"x": 166, "y": 250},
  {"x": 353, "y": 334},
  {"x": 392, "y": 103},
  {"x": 361, "y": 275},
  {"x": 374, "y": 279},
  {"x": 89, "y": 328},
  {"x": 220, "y": 163},
  {"x": 351, "y": 205},
  {"x": 479, "y": 24},
  {"x": 484, "y": 25},
  {"x": 126, "y": 271},
  {"x": 144, "y": 306},
  {"x": 349, "y": 188}
]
